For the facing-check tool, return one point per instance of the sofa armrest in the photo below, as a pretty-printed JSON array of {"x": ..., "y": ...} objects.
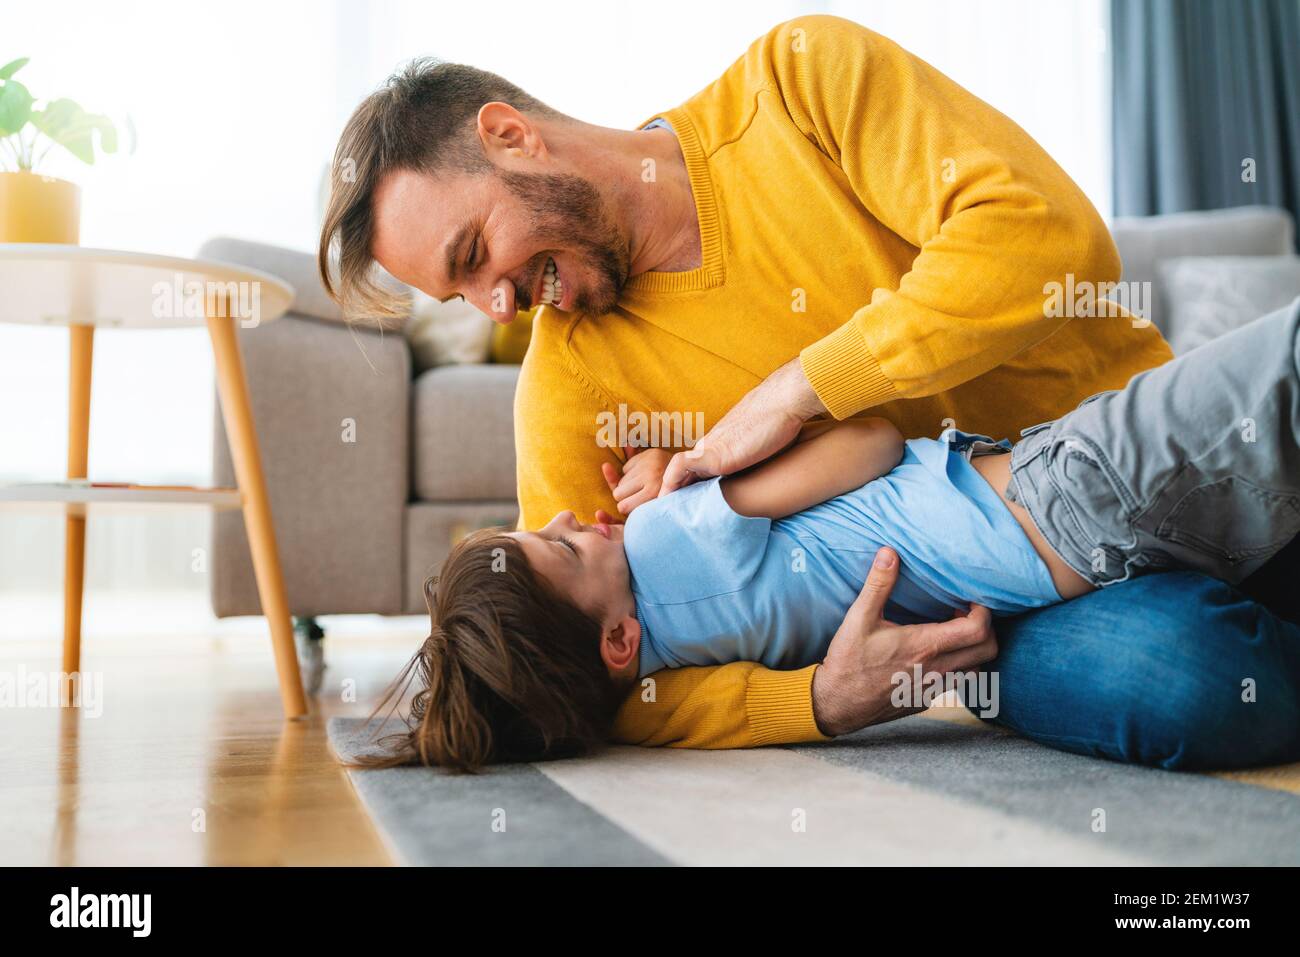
[{"x": 331, "y": 406}]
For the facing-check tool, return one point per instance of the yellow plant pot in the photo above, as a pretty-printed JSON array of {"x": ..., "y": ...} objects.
[{"x": 39, "y": 209}]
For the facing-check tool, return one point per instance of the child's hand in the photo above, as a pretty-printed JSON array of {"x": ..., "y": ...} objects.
[{"x": 642, "y": 475}]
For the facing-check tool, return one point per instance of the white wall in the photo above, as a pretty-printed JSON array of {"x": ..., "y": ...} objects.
[{"x": 238, "y": 104}]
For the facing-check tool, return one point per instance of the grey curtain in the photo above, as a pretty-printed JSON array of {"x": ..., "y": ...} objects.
[{"x": 1206, "y": 104}]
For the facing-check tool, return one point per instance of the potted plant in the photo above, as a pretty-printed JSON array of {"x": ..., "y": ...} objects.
[{"x": 36, "y": 208}]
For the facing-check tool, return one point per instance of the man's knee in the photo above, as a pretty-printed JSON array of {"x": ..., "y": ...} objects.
[
  {"x": 1173, "y": 670},
  {"x": 1232, "y": 698}
]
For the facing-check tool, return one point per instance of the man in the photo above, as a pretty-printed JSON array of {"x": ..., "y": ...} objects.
[{"x": 829, "y": 228}]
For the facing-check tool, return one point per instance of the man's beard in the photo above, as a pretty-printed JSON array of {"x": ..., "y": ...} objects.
[{"x": 568, "y": 212}]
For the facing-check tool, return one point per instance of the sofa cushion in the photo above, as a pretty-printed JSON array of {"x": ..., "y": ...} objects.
[
  {"x": 331, "y": 407},
  {"x": 446, "y": 333},
  {"x": 1213, "y": 295},
  {"x": 462, "y": 433},
  {"x": 1146, "y": 241}
]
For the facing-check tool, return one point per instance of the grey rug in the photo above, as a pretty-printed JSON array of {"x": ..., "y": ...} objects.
[
  {"x": 915, "y": 791},
  {"x": 509, "y": 814}
]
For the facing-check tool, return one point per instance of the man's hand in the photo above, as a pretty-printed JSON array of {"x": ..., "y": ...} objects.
[
  {"x": 643, "y": 471},
  {"x": 761, "y": 424},
  {"x": 852, "y": 687}
]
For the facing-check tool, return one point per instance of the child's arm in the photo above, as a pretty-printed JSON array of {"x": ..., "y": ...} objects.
[
  {"x": 829, "y": 459},
  {"x": 815, "y": 469}
]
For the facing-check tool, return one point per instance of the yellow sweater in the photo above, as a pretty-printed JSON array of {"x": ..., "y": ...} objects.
[{"x": 860, "y": 210}]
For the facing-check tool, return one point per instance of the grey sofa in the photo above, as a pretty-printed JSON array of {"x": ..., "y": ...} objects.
[{"x": 362, "y": 524}]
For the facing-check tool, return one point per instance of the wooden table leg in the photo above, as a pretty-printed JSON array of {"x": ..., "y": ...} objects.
[
  {"x": 237, "y": 413},
  {"x": 81, "y": 351}
]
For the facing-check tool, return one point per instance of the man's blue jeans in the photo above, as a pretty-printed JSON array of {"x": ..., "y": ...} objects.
[{"x": 1158, "y": 670}]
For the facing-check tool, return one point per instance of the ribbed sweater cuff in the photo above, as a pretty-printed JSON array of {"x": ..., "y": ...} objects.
[
  {"x": 779, "y": 705},
  {"x": 844, "y": 373}
]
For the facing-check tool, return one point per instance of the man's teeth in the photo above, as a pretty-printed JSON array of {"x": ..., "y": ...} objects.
[{"x": 552, "y": 285}]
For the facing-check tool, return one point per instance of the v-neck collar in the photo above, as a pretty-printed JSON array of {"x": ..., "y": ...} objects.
[{"x": 711, "y": 271}]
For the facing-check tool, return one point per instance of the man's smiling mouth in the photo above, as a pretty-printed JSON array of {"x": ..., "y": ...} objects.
[{"x": 552, "y": 285}]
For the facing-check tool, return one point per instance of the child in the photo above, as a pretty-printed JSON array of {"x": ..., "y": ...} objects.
[{"x": 537, "y": 636}]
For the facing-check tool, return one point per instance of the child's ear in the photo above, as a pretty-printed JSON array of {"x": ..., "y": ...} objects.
[{"x": 619, "y": 645}]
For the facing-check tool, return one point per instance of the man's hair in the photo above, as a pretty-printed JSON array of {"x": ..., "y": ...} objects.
[
  {"x": 509, "y": 672},
  {"x": 422, "y": 119}
]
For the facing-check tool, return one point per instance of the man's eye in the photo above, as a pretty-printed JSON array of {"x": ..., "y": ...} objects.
[{"x": 472, "y": 261}]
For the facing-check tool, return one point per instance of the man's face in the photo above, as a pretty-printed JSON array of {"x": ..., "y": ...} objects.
[{"x": 489, "y": 237}]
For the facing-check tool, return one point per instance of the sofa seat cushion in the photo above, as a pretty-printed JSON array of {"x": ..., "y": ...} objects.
[{"x": 462, "y": 433}]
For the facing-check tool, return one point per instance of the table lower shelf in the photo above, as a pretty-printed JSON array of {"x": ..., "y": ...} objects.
[{"x": 74, "y": 498}]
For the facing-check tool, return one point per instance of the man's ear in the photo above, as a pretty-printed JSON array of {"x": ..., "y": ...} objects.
[
  {"x": 619, "y": 645},
  {"x": 507, "y": 135}
]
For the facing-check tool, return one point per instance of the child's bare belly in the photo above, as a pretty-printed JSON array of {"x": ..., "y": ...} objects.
[{"x": 996, "y": 470}]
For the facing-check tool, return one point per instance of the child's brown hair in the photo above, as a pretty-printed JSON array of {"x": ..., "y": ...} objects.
[{"x": 510, "y": 670}]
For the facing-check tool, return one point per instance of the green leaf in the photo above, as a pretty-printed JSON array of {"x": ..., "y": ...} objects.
[
  {"x": 66, "y": 123},
  {"x": 9, "y": 69},
  {"x": 57, "y": 117},
  {"x": 15, "y": 107},
  {"x": 107, "y": 133}
]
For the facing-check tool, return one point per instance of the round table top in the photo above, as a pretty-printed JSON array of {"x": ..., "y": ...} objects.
[{"x": 59, "y": 285}]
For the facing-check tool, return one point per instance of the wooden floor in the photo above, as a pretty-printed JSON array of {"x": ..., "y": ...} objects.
[{"x": 190, "y": 761}]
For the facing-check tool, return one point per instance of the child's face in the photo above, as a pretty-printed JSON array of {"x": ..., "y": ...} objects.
[{"x": 584, "y": 563}]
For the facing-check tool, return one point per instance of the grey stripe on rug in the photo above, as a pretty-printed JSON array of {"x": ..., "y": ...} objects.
[
  {"x": 915, "y": 791},
  {"x": 1167, "y": 817},
  {"x": 509, "y": 815}
]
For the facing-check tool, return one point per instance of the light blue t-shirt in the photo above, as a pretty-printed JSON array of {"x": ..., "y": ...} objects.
[{"x": 712, "y": 586}]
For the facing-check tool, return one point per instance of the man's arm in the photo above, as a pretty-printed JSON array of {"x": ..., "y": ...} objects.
[
  {"x": 993, "y": 216},
  {"x": 740, "y": 705}
]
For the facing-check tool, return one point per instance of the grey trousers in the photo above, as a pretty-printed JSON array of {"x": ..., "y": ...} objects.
[{"x": 1193, "y": 465}]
